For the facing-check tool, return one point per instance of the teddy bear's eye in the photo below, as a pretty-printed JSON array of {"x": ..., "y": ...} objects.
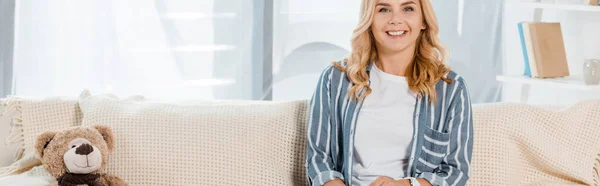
[{"x": 73, "y": 146}]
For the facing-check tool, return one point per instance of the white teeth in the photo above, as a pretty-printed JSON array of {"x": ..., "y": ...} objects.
[{"x": 396, "y": 33}]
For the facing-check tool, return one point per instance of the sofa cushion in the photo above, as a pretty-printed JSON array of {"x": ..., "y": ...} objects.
[
  {"x": 27, "y": 118},
  {"x": 517, "y": 144},
  {"x": 203, "y": 143}
]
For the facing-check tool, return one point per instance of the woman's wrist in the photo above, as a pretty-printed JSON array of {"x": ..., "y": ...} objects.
[
  {"x": 410, "y": 181},
  {"x": 423, "y": 182},
  {"x": 403, "y": 182},
  {"x": 335, "y": 182},
  {"x": 414, "y": 181}
]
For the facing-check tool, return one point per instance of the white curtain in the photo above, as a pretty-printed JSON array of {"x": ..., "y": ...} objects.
[
  {"x": 167, "y": 49},
  {"x": 7, "y": 14}
]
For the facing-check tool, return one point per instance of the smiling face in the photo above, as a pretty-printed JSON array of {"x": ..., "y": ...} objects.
[
  {"x": 83, "y": 157},
  {"x": 397, "y": 24},
  {"x": 78, "y": 150}
]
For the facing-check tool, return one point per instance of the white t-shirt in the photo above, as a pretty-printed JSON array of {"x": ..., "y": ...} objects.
[{"x": 384, "y": 129}]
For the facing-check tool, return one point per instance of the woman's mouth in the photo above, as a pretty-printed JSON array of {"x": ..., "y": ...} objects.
[{"x": 396, "y": 34}]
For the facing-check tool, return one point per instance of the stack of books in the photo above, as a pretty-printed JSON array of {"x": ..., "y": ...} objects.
[{"x": 543, "y": 50}]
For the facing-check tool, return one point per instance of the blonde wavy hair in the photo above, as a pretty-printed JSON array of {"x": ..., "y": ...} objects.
[{"x": 424, "y": 71}]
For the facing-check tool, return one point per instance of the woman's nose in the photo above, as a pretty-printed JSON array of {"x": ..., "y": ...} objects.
[{"x": 396, "y": 19}]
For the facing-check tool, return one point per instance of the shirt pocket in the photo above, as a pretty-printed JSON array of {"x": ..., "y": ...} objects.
[{"x": 433, "y": 150}]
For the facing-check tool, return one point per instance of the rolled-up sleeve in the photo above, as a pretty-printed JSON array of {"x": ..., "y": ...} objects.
[{"x": 319, "y": 164}]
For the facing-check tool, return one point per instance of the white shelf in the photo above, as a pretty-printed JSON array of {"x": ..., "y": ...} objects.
[
  {"x": 561, "y": 6},
  {"x": 570, "y": 82}
]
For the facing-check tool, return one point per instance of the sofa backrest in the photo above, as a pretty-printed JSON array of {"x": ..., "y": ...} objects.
[
  {"x": 204, "y": 143},
  {"x": 246, "y": 142},
  {"x": 518, "y": 144}
]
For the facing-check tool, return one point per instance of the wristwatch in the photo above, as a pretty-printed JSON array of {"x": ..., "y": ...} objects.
[{"x": 414, "y": 182}]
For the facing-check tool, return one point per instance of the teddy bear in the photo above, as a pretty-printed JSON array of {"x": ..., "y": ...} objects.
[{"x": 76, "y": 156}]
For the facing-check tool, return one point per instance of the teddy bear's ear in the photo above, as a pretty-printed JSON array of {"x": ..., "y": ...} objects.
[
  {"x": 42, "y": 142},
  {"x": 107, "y": 134}
]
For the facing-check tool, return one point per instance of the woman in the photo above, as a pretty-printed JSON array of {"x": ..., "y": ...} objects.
[{"x": 392, "y": 113}]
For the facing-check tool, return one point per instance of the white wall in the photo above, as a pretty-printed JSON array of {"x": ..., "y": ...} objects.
[{"x": 582, "y": 40}]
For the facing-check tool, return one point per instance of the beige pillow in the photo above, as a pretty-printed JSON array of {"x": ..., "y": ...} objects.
[
  {"x": 203, "y": 143},
  {"x": 30, "y": 117}
]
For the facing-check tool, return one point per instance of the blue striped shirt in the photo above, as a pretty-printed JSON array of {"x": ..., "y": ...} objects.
[{"x": 442, "y": 141}]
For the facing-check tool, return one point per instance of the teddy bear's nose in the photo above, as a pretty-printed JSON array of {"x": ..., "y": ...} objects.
[{"x": 84, "y": 149}]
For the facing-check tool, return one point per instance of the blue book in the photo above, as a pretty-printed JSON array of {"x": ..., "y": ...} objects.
[{"x": 524, "y": 49}]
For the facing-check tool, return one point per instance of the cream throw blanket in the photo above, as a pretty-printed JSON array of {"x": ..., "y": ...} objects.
[
  {"x": 514, "y": 144},
  {"x": 517, "y": 144},
  {"x": 32, "y": 117}
]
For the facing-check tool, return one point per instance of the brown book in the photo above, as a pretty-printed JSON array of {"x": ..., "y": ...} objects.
[
  {"x": 591, "y": 2},
  {"x": 549, "y": 50}
]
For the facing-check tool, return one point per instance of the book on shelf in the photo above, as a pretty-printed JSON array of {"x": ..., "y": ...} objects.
[
  {"x": 592, "y": 2},
  {"x": 543, "y": 50}
]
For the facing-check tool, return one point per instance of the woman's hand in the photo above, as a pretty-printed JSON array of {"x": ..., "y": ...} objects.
[
  {"x": 387, "y": 181},
  {"x": 336, "y": 182}
]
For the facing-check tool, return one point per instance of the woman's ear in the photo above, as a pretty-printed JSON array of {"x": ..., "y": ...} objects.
[
  {"x": 42, "y": 142},
  {"x": 107, "y": 134}
]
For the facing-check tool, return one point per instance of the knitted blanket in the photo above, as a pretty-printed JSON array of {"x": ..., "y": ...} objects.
[{"x": 516, "y": 144}]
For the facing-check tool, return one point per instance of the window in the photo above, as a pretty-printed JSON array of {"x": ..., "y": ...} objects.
[
  {"x": 219, "y": 49},
  {"x": 309, "y": 35},
  {"x": 184, "y": 49}
]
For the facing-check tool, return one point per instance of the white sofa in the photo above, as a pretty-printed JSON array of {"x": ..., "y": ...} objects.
[
  {"x": 263, "y": 143},
  {"x": 5, "y": 158}
]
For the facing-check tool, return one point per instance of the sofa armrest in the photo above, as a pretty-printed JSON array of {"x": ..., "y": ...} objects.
[{"x": 7, "y": 154}]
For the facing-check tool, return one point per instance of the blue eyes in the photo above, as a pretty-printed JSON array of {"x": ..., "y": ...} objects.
[
  {"x": 385, "y": 10},
  {"x": 407, "y": 9}
]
